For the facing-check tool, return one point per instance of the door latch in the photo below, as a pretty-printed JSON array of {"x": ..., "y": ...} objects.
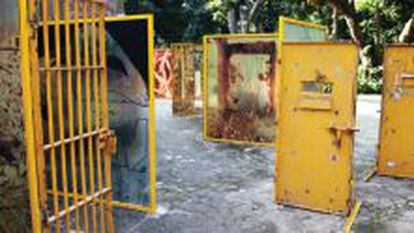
[
  {"x": 400, "y": 85},
  {"x": 108, "y": 141},
  {"x": 339, "y": 131}
]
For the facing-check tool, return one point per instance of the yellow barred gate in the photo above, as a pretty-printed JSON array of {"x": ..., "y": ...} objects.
[{"x": 68, "y": 139}]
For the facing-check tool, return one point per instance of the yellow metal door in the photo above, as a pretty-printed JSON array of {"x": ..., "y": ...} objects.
[
  {"x": 317, "y": 119},
  {"x": 396, "y": 152},
  {"x": 134, "y": 164},
  {"x": 68, "y": 139}
]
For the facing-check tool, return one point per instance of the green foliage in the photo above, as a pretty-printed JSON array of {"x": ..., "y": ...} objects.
[
  {"x": 175, "y": 20},
  {"x": 381, "y": 22},
  {"x": 369, "y": 81}
]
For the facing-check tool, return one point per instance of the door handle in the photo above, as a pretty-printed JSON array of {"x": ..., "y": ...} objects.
[
  {"x": 407, "y": 76},
  {"x": 343, "y": 129},
  {"x": 338, "y": 132}
]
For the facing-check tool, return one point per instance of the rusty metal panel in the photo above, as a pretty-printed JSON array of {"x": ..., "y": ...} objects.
[
  {"x": 185, "y": 78},
  {"x": 239, "y": 81},
  {"x": 396, "y": 152},
  {"x": 316, "y": 126}
]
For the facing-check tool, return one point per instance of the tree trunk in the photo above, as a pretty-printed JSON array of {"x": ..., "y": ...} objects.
[
  {"x": 231, "y": 20},
  {"x": 239, "y": 17},
  {"x": 407, "y": 34},
  {"x": 243, "y": 24},
  {"x": 253, "y": 12},
  {"x": 334, "y": 26},
  {"x": 347, "y": 9}
]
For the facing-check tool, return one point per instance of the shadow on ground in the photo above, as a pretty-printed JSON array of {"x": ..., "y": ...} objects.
[{"x": 207, "y": 187}]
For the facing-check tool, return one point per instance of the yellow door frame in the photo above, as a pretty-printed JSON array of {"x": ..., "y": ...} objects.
[
  {"x": 25, "y": 74},
  {"x": 152, "y": 208}
]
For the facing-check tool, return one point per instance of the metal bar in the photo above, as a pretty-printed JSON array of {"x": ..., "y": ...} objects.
[
  {"x": 9, "y": 49},
  {"x": 152, "y": 126},
  {"x": 117, "y": 204},
  {"x": 133, "y": 207},
  {"x": 126, "y": 18},
  {"x": 71, "y": 68},
  {"x": 371, "y": 173},
  {"x": 28, "y": 120},
  {"x": 241, "y": 35},
  {"x": 56, "y": 14},
  {"x": 206, "y": 48},
  {"x": 302, "y": 23},
  {"x": 74, "y": 139},
  {"x": 105, "y": 117},
  {"x": 61, "y": 22},
  {"x": 88, "y": 112},
  {"x": 351, "y": 219},
  {"x": 38, "y": 122},
  {"x": 70, "y": 111},
  {"x": 80, "y": 135},
  {"x": 97, "y": 116},
  {"x": 79, "y": 204},
  {"x": 239, "y": 142},
  {"x": 51, "y": 130}
]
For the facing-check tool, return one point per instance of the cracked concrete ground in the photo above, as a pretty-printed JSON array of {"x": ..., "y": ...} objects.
[{"x": 213, "y": 188}]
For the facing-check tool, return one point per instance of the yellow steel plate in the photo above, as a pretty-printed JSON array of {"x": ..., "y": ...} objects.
[
  {"x": 396, "y": 151},
  {"x": 316, "y": 125}
]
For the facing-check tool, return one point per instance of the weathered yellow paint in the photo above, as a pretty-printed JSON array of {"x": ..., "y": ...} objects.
[
  {"x": 24, "y": 26},
  {"x": 315, "y": 130},
  {"x": 283, "y": 21},
  {"x": 152, "y": 129},
  {"x": 396, "y": 151}
]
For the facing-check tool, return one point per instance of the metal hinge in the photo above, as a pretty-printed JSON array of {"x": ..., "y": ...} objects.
[{"x": 45, "y": 217}]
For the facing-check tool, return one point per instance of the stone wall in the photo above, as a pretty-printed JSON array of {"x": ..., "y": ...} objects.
[{"x": 14, "y": 204}]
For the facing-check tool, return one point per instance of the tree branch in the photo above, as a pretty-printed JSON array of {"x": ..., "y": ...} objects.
[
  {"x": 348, "y": 10},
  {"x": 253, "y": 12},
  {"x": 407, "y": 34}
]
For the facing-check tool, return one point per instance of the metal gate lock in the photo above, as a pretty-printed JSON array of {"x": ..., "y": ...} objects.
[
  {"x": 45, "y": 217},
  {"x": 339, "y": 131},
  {"x": 108, "y": 141}
]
